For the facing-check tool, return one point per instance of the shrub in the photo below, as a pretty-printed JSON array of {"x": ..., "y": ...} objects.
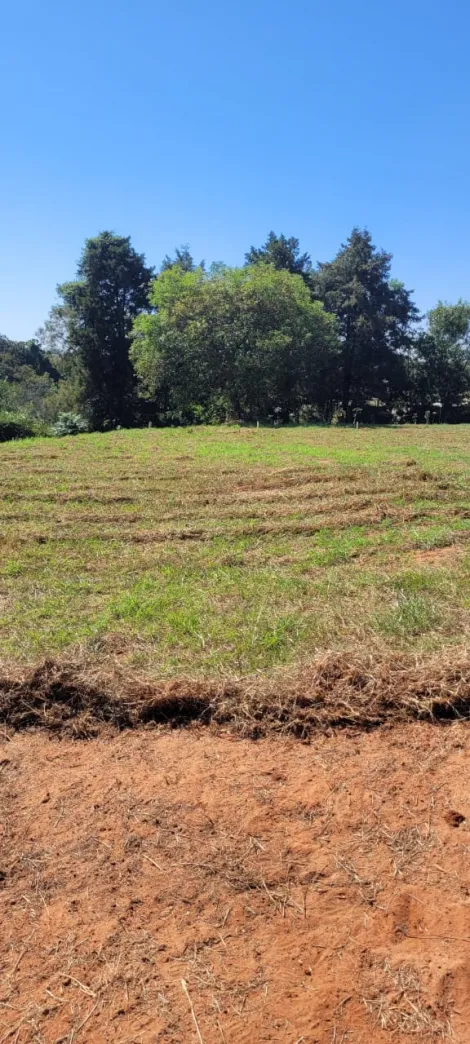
[
  {"x": 15, "y": 426},
  {"x": 70, "y": 424},
  {"x": 308, "y": 414}
]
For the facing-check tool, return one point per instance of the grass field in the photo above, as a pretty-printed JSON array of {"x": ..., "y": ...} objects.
[
  {"x": 215, "y": 551},
  {"x": 166, "y": 597}
]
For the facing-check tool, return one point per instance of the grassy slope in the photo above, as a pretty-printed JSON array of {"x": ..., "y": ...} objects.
[{"x": 218, "y": 550}]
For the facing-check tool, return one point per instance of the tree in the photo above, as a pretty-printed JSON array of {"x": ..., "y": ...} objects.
[
  {"x": 16, "y": 355},
  {"x": 374, "y": 314},
  {"x": 251, "y": 338},
  {"x": 29, "y": 380},
  {"x": 183, "y": 259},
  {"x": 98, "y": 310},
  {"x": 441, "y": 359},
  {"x": 283, "y": 254}
]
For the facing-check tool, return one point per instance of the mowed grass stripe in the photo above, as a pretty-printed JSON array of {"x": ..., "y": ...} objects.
[{"x": 226, "y": 551}]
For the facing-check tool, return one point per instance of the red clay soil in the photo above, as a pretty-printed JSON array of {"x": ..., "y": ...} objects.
[{"x": 304, "y": 894}]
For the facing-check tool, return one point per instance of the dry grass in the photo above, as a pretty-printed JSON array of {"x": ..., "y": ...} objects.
[
  {"x": 398, "y": 1004},
  {"x": 338, "y": 690}
]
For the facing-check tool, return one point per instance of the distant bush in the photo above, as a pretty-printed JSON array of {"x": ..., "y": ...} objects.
[
  {"x": 70, "y": 424},
  {"x": 309, "y": 414},
  {"x": 14, "y": 426}
]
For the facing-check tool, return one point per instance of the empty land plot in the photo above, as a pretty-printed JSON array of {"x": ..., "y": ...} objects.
[
  {"x": 191, "y": 885},
  {"x": 221, "y": 551},
  {"x": 314, "y": 894}
]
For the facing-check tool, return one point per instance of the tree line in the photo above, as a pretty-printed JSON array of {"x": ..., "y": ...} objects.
[{"x": 278, "y": 340}]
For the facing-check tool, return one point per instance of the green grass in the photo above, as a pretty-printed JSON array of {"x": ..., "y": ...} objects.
[{"x": 219, "y": 550}]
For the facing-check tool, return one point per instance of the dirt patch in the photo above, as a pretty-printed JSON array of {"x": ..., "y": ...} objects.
[
  {"x": 314, "y": 893},
  {"x": 440, "y": 556}
]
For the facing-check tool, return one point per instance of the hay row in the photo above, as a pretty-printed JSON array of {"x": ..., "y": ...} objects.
[{"x": 337, "y": 691}]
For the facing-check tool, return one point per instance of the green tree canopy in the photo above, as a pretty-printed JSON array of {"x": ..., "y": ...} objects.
[
  {"x": 251, "y": 338},
  {"x": 29, "y": 380},
  {"x": 97, "y": 311},
  {"x": 16, "y": 355},
  {"x": 282, "y": 253},
  {"x": 266, "y": 340},
  {"x": 374, "y": 314},
  {"x": 441, "y": 359},
  {"x": 183, "y": 259}
]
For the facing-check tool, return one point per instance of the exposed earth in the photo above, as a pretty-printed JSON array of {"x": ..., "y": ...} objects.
[{"x": 188, "y": 885}]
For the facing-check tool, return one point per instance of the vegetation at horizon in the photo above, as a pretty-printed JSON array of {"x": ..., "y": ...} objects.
[{"x": 277, "y": 341}]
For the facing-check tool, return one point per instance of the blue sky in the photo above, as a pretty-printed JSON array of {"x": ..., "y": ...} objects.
[{"x": 211, "y": 123}]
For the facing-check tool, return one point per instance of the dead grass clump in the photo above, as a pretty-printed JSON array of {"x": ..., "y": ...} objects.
[
  {"x": 408, "y": 844},
  {"x": 54, "y": 694},
  {"x": 398, "y": 1004},
  {"x": 59, "y": 696},
  {"x": 339, "y": 690}
]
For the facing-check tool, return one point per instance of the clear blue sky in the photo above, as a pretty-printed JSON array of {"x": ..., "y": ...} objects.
[{"x": 211, "y": 123}]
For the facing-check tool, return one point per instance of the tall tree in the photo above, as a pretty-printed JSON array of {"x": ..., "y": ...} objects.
[
  {"x": 250, "y": 337},
  {"x": 283, "y": 253},
  {"x": 98, "y": 310},
  {"x": 441, "y": 359},
  {"x": 183, "y": 259},
  {"x": 374, "y": 314}
]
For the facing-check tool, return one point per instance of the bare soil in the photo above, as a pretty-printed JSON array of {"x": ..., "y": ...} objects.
[
  {"x": 439, "y": 555},
  {"x": 192, "y": 885}
]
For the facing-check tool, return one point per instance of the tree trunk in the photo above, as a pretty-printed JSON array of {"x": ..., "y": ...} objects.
[{"x": 348, "y": 364}]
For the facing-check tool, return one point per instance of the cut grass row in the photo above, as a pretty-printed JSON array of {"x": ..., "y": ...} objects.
[{"x": 219, "y": 551}]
